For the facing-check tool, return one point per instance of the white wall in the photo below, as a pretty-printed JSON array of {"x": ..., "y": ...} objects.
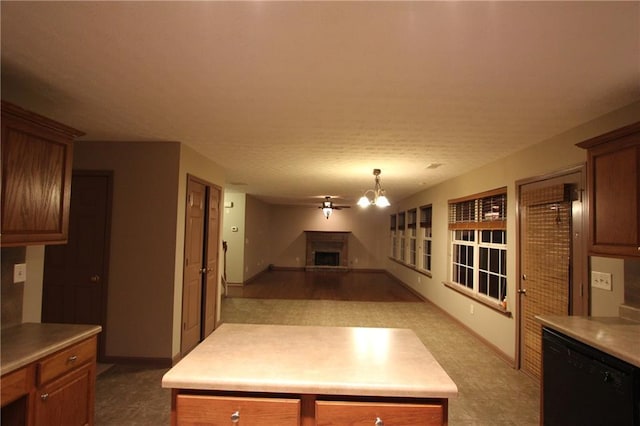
[
  {"x": 605, "y": 303},
  {"x": 32, "y": 296},
  {"x": 234, "y": 218}
]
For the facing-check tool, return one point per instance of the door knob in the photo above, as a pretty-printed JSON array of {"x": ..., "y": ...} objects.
[
  {"x": 95, "y": 278},
  {"x": 522, "y": 291}
]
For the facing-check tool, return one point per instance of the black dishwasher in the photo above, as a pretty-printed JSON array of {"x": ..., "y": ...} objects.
[{"x": 584, "y": 386}]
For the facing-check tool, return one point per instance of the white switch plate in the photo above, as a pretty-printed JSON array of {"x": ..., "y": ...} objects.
[
  {"x": 19, "y": 272},
  {"x": 601, "y": 280}
]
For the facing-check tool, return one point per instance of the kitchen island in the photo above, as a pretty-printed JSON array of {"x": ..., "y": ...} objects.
[{"x": 309, "y": 375}]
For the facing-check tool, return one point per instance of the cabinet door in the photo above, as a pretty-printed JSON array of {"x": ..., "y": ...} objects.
[
  {"x": 337, "y": 413},
  {"x": 239, "y": 411},
  {"x": 67, "y": 401},
  {"x": 615, "y": 200},
  {"x": 36, "y": 178}
]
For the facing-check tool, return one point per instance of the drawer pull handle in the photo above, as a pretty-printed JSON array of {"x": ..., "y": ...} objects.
[
  {"x": 44, "y": 396},
  {"x": 73, "y": 358},
  {"x": 235, "y": 417},
  {"x": 379, "y": 422}
]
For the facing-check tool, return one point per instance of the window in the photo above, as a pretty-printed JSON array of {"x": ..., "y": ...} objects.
[
  {"x": 401, "y": 241},
  {"x": 425, "y": 236},
  {"x": 394, "y": 243},
  {"x": 411, "y": 231},
  {"x": 479, "y": 243}
]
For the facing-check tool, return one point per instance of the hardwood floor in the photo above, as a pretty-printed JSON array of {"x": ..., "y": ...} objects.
[{"x": 352, "y": 286}]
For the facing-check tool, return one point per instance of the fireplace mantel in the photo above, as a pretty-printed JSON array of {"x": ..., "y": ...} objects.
[{"x": 327, "y": 241}]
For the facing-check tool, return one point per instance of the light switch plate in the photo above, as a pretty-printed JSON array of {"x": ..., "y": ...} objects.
[
  {"x": 601, "y": 280},
  {"x": 19, "y": 272}
]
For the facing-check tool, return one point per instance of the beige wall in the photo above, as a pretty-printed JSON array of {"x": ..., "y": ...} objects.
[
  {"x": 555, "y": 154},
  {"x": 257, "y": 243},
  {"x": 287, "y": 241},
  {"x": 143, "y": 243}
]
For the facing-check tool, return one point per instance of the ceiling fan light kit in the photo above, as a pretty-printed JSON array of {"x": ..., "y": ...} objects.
[
  {"x": 328, "y": 207},
  {"x": 377, "y": 195}
]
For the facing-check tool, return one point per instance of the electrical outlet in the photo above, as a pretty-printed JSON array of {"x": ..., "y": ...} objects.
[
  {"x": 601, "y": 280},
  {"x": 19, "y": 272}
]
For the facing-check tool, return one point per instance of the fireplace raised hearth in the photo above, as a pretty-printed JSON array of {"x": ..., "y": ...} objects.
[{"x": 327, "y": 251}]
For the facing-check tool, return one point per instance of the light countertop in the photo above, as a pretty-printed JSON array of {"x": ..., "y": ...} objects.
[
  {"x": 616, "y": 336},
  {"x": 313, "y": 360},
  {"x": 28, "y": 342}
]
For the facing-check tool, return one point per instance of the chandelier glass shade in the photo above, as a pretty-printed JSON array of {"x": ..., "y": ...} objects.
[
  {"x": 375, "y": 196},
  {"x": 327, "y": 208}
]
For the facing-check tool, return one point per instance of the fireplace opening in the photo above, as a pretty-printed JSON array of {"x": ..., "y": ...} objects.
[{"x": 327, "y": 258}]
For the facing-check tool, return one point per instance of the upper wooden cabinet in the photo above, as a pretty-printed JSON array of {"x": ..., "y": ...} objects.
[
  {"x": 613, "y": 164},
  {"x": 36, "y": 178}
]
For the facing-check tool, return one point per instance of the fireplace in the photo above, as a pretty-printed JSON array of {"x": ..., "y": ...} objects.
[
  {"x": 327, "y": 258},
  {"x": 327, "y": 250}
]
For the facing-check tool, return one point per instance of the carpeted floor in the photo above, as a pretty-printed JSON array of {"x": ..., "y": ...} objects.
[{"x": 490, "y": 391}]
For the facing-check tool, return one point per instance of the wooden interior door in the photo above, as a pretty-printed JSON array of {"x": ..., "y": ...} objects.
[
  {"x": 193, "y": 265},
  {"x": 75, "y": 274},
  {"x": 212, "y": 259},
  {"x": 552, "y": 261}
]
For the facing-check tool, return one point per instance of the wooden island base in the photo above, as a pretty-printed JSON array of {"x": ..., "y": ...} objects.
[{"x": 189, "y": 408}]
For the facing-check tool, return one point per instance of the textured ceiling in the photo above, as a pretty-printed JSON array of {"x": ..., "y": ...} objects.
[{"x": 304, "y": 99}]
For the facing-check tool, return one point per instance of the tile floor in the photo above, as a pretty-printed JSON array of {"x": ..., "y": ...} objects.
[{"x": 490, "y": 391}]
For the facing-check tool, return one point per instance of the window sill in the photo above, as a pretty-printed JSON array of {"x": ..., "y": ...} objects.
[
  {"x": 483, "y": 301},
  {"x": 414, "y": 268}
]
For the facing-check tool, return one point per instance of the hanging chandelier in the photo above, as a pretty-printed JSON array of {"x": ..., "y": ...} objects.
[{"x": 375, "y": 196}]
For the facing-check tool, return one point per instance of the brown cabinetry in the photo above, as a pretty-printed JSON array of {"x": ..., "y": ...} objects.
[
  {"x": 197, "y": 408},
  {"x": 335, "y": 413},
  {"x": 219, "y": 410},
  {"x": 614, "y": 200},
  {"x": 36, "y": 178},
  {"x": 58, "y": 389}
]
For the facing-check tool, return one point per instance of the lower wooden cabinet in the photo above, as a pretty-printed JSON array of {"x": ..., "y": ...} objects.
[
  {"x": 237, "y": 408},
  {"x": 336, "y": 413},
  {"x": 67, "y": 401},
  {"x": 56, "y": 390},
  {"x": 215, "y": 410}
]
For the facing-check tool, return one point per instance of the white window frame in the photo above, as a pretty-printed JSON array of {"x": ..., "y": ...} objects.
[
  {"x": 478, "y": 213},
  {"x": 426, "y": 238}
]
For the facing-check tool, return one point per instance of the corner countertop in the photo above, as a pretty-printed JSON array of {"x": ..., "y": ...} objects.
[
  {"x": 313, "y": 360},
  {"x": 25, "y": 343},
  {"x": 616, "y": 336}
]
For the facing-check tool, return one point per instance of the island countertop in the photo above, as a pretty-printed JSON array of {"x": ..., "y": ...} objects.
[
  {"x": 383, "y": 362},
  {"x": 616, "y": 336},
  {"x": 28, "y": 342}
]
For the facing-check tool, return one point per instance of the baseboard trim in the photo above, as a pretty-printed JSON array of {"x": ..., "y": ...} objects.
[{"x": 150, "y": 362}]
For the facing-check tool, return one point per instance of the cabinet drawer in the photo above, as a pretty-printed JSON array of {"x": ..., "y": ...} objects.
[
  {"x": 334, "y": 413},
  {"x": 218, "y": 410},
  {"x": 15, "y": 384},
  {"x": 66, "y": 360}
]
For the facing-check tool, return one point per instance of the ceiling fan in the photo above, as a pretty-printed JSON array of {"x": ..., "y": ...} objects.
[{"x": 328, "y": 207}]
